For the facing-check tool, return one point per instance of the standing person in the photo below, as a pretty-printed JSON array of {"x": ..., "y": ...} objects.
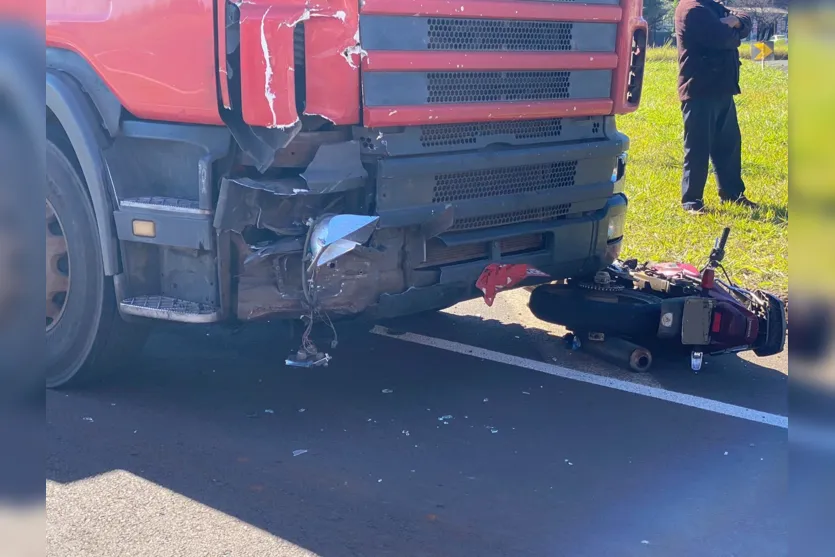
[{"x": 708, "y": 36}]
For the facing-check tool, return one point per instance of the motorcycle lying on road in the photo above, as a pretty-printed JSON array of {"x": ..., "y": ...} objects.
[{"x": 668, "y": 304}]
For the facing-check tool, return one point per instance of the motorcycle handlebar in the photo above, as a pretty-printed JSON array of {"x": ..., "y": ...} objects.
[{"x": 720, "y": 244}]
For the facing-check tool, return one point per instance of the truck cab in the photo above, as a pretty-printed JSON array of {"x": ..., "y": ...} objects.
[{"x": 202, "y": 155}]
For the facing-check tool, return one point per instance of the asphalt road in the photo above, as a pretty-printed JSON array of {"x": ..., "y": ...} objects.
[{"x": 415, "y": 450}]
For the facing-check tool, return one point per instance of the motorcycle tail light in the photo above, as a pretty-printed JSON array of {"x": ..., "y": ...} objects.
[
  {"x": 717, "y": 322},
  {"x": 708, "y": 279}
]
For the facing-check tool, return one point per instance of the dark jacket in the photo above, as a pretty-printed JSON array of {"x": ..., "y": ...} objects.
[{"x": 708, "y": 58}]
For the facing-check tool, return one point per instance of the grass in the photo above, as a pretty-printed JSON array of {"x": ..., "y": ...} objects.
[{"x": 658, "y": 230}]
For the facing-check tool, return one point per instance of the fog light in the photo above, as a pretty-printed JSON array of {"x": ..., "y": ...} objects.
[
  {"x": 144, "y": 228},
  {"x": 616, "y": 225},
  {"x": 613, "y": 251}
]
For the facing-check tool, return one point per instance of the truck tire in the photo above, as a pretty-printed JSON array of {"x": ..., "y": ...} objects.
[{"x": 85, "y": 335}]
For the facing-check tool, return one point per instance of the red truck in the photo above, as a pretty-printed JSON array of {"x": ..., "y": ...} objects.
[{"x": 212, "y": 160}]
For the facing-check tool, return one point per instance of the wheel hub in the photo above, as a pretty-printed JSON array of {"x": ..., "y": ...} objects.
[{"x": 57, "y": 268}]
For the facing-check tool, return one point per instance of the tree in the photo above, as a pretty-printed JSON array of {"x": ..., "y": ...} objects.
[
  {"x": 656, "y": 11},
  {"x": 767, "y": 13}
]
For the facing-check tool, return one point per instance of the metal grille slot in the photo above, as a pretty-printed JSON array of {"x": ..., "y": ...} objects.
[
  {"x": 515, "y": 217},
  {"x": 464, "y": 87},
  {"x": 475, "y": 184},
  {"x": 438, "y": 253},
  {"x": 499, "y": 35},
  {"x": 467, "y": 134}
]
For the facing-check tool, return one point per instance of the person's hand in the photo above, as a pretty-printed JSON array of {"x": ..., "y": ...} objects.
[{"x": 731, "y": 21}]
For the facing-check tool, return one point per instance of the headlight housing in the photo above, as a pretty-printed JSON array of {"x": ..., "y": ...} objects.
[{"x": 616, "y": 226}]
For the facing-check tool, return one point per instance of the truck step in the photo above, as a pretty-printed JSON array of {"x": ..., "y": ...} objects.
[
  {"x": 157, "y": 203},
  {"x": 170, "y": 309}
]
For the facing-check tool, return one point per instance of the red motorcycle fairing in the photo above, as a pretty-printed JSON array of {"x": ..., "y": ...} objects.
[{"x": 672, "y": 270}]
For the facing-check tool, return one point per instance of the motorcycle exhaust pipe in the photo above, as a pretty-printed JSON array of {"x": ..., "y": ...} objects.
[{"x": 620, "y": 352}]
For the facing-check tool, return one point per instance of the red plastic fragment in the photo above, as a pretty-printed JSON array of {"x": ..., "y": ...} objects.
[{"x": 496, "y": 278}]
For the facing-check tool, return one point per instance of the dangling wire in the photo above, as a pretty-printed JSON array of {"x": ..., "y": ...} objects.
[{"x": 309, "y": 290}]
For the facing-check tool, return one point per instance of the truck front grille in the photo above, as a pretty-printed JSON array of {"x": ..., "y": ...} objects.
[
  {"x": 498, "y": 35},
  {"x": 476, "y": 184},
  {"x": 502, "y": 219},
  {"x": 469, "y": 134},
  {"x": 482, "y": 87}
]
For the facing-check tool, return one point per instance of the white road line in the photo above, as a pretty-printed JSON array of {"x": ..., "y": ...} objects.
[{"x": 707, "y": 404}]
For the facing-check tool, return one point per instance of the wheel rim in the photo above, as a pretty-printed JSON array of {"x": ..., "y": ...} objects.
[{"x": 57, "y": 268}]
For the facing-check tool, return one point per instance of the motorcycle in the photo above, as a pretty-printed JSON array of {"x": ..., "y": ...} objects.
[{"x": 672, "y": 304}]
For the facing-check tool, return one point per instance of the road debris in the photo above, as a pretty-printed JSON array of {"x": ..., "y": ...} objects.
[
  {"x": 88, "y": 419},
  {"x": 445, "y": 418},
  {"x": 387, "y": 391},
  {"x": 269, "y": 411},
  {"x": 485, "y": 400},
  {"x": 405, "y": 432},
  {"x": 380, "y": 481},
  {"x": 569, "y": 462},
  {"x": 302, "y": 410},
  {"x": 299, "y": 452},
  {"x": 525, "y": 393}
]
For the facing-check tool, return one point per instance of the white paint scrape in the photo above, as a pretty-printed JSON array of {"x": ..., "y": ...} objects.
[
  {"x": 268, "y": 72},
  {"x": 349, "y": 53},
  {"x": 608, "y": 382}
]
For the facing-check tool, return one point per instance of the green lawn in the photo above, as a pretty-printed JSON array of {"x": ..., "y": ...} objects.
[{"x": 657, "y": 229}]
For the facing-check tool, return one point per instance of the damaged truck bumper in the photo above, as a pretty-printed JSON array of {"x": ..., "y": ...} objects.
[{"x": 426, "y": 252}]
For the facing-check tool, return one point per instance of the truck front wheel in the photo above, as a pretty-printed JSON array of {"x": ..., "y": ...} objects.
[{"x": 85, "y": 335}]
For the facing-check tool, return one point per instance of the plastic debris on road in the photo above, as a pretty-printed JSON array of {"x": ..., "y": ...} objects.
[
  {"x": 88, "y": 419},
  {"x": 485, "y": 400},
  {"x": 445, "y": 418},
  {"x": 269, "y": 411},
  {"x": 497, "y": 277},
  {"x": 299, "y": 452},
  {"x": 405, "y": 432},
  {"x": 387, "y": 391},
  {"x": 302, "y": 410},
  {"x": 525, "y": 393}
]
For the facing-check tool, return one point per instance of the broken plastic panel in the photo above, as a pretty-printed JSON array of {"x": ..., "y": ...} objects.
[{"x": 334, "y": 236}]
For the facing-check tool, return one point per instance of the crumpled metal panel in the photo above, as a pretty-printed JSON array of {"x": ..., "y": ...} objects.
[{"x": 332, "y": 59}]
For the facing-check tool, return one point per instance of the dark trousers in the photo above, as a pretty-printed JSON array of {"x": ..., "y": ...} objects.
[{"x": 711, "y": 131}]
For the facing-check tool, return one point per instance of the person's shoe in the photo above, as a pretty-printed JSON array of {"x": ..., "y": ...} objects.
[
  {"x": 694, "y": 207},
  {"x": 742, "y": 201}
]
